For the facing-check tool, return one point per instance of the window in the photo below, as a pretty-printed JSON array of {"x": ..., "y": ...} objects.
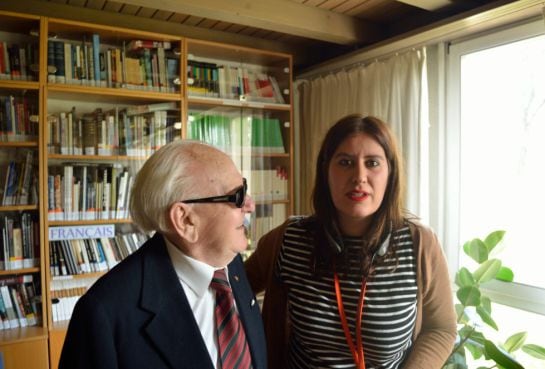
[{"x": 495, "y": 158}]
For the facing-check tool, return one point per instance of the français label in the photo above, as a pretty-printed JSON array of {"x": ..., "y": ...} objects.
[{"x": 81, "y": 232}]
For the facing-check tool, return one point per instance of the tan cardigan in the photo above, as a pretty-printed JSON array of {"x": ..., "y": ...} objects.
[{"x": 435, "y": 329}]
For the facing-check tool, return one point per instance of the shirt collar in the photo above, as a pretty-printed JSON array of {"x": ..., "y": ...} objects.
[{"x": 196, "y": 274}]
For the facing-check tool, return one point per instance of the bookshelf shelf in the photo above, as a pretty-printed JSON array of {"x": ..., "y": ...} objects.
[
  {"x": 19, "y": 144},
  {"x": 19, "y": 271},
  {"x": 211, "y": 101},
  {"x": 19, "y": 85},
  {"x": 60, "y": 90},
  {"x": 98, "y": 158},
  {"x": 60, "y": 326},
  {"x": 79, "y": 276},
  {"x": 18, "y": 208},
  {"x": 271, "y": 202},
  {"x": 87, "y": 222},
  {"x": 12, "y": 336},
  {"x": 270, "y": 155}
]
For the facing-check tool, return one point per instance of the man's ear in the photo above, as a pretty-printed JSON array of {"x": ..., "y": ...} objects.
[{"x": 184, "y": 222}]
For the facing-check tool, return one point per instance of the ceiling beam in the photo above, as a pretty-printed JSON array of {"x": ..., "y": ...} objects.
[
  {"x": 301, "y": 54},
  {"x": 283, "y": 16},
  {"x": 430, "y": 5}
]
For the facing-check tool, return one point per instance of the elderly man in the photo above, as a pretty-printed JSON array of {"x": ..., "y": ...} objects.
[{"x": 182, "y": 300}]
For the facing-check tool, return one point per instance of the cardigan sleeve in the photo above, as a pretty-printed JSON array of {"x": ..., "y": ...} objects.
[
  {"x": 435, "y": 339},
  {"x": 260, "y": 270}
]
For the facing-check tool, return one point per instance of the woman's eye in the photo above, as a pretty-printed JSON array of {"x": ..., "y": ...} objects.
[
  {"x": 372, "y": 163},
  {"x": 345, "y": 162}
]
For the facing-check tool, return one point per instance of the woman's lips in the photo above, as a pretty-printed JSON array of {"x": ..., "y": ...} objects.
[{"x": 358, "y": 195}]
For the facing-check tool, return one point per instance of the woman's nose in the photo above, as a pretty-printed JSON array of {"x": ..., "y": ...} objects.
[{"x": 360, "y": 174}]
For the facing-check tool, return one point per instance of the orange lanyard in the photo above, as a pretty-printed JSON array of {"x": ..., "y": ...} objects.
[{"x": 357, "y": 352}]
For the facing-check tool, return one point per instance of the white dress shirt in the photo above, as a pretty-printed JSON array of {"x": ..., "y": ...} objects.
[{"x": 195, "y": 277}]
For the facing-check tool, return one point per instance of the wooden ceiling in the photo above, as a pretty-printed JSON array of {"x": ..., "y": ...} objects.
[{"x": 311, "y": 30}]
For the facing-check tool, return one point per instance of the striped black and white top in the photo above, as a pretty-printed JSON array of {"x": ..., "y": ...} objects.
[{"x": 317, "y": 337}]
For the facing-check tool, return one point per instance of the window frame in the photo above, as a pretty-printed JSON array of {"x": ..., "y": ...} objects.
[{"x": 517, "y": 295}]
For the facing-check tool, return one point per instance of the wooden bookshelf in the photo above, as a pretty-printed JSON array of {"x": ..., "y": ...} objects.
[
  {"x": 255, "y": 105},
  {"x": 20, "y": 90},
  {"x": 101, "y": 93}
]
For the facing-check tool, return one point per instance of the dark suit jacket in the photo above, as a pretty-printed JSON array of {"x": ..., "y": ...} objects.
[{"x": 138, "y": 316}]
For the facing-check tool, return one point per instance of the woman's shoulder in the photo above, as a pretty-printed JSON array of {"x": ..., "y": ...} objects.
[{"x": 416, "y": 226}]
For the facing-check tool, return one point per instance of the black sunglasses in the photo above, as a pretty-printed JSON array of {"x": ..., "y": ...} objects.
[{"x": 237, "y": 198}]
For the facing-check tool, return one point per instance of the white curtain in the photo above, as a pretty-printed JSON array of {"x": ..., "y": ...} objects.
[{"x": 392, "y": 89}]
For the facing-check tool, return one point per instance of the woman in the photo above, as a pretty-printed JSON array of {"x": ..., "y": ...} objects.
[{"x": 359, "y": 284}]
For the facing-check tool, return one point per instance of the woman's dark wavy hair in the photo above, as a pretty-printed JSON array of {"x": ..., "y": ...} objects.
[{"x": 390, "y": 214}]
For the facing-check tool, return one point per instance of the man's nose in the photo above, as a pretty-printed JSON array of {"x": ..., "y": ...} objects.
[{"x": 249, "y": 204}]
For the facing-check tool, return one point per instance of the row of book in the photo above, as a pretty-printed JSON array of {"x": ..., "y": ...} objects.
[
  {"x": 65, "y": 292},
  {"x": 20, "y": 186},
  {"x": 83, "y": 191},
  {"x": 268, "y": 184},
  {"x": 132, "y": 131},
  {"x": 81, "y": 256},
  {"x": 237, "y": 135},
  {"x": 20, "y": 241},
  {"x": 267, "y": 217},
  {"x": 18, "y": 118},
  {"x": 20, "y": 302},
  {"x": 263, "y": 219},
  {"x": 232, "y": 82},
  {"x": 19, "y": 61},
  {"x": 137, "y": 64}
]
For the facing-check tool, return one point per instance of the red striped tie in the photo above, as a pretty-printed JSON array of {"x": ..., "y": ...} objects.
[{"x": 233, "y": 347}]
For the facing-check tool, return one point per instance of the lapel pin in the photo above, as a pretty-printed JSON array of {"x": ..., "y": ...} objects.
[
  {"x": 253, "y": 302},
  {"x": 236, "y": 278}
]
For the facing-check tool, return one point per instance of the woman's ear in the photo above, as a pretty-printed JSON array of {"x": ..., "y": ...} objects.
[{"x": 184, "y": 222}]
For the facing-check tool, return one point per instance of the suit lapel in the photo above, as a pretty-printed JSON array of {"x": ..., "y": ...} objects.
[{"x": 173, "y": 329}]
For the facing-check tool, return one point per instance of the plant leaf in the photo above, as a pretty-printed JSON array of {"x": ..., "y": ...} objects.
[
  {"x": 486, "y": 304},
  {"x": 505, "y": 274},
  {"x": 477, "y": 338},
  {"x": 464, "y": 278},
  {"x": 469, "y": 296},
  {"x": 454, "y": 366},
  {"x": 501, "y": 357},
  {"x": 461, "y": 316},
  {"x": 487, "y": 271},
  {"x": 515, "y": 342},
  {"x": 493, "y": 239},
  {"x": 486, "y": 317},
  {"x": 534, "y": 350},
  {"x": 476, "y": 350},
  {"x": 477, "y": 250}
]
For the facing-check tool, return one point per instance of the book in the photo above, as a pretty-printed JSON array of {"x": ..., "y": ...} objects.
[
  {"x": 18, "y": 305},
  {"x": 10, "y": 308},
  {"x": 277, "y": 92},
  {"x": 148, "y": 108},
  {"x": 3, "y": 315},
  {"x": 148, "y": 44},
  {"x": 96, "y": 57}
]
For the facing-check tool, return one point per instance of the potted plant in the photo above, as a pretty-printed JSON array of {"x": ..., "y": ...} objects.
[{"x": 474, "y": 309}]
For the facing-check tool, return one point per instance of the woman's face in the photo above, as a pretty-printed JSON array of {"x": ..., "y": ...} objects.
[{"x": 357, "y": 176}]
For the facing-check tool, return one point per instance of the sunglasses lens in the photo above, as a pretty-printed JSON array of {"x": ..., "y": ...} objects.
[{"x": 241, "y": 194}]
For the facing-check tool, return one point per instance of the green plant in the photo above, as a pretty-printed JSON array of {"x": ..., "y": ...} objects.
[{"x": 474, "y": 309}]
